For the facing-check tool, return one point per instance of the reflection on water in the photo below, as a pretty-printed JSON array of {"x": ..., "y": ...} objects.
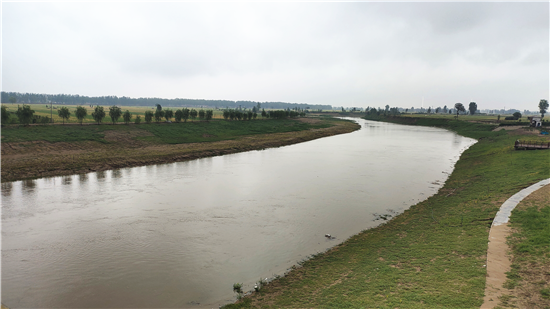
[
  {"x": 101, "y": 175},
  {"x": 116, "y": 173},
  {"x": 6, "y": 188},
  {"x": 179, "y": 234},
  {"x": 83, "y": 178},
  {"x": 29, "y": 184},
  {"x": 66, "y": 180}
]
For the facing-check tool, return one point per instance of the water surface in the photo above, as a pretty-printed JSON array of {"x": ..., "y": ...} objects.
[{"x": 179, "y": 235}]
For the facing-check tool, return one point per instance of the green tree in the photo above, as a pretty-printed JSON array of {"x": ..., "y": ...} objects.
[
  {"x": 394, "y": 111},
  {"x": 127, "y": 116},
  {"x": 98, "y": 114},
  {"x": 64, "y": 113},
  {"x": 44, "y": 120},
  {"x": 193, "y": 113},
  {"x": 159, "y": 114},
  {"x": 178, "y": 115},
  {"x": 168, "y": 114},
  {"x": 80, "y": 113},
  {"x": 185, "y": 113},
  {"x": 24, "y": 114},
  {"x": 202, "y": 114},
  {"x": 159, "y": 108},
  {"x": 517, "y": 115},
  {"x": 115, "y": 112},
  {"x": 5, "y": 115},
  {"x": 459, "y": 108},
  {"x": 209, "y": 115},
  {"x": 472, "y": 108},
  {"x": 543, "y": 107},
  {"x": 149, "y": 116},
  {"x": 138, "y": 119},
  {"x": 13, "y": 100}
]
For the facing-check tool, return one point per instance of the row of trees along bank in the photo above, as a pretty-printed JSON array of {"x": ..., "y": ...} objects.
[
  {"x": 25, "y": 114},
  {"x": 459, "y": 108}
]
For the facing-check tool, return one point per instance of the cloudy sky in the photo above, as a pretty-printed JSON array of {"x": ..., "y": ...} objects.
[{"x": 343, "y": 54}]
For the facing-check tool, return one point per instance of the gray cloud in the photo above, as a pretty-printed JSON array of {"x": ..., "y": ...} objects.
[{"x": 363, "y": 54}]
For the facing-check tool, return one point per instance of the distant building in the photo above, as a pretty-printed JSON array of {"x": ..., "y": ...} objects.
[{"x": 535, "y": 121}]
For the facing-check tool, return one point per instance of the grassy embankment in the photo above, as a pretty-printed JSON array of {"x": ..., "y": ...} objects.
[
  {"x": 529, "y": 280},
  {"x": 53, "y": 150},
  {"x": 431, "y": 256}
]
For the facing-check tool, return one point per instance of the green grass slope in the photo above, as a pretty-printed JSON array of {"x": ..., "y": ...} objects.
[
  {"x": 432, "y": 255},
  {"x": 164, "y": 133}
]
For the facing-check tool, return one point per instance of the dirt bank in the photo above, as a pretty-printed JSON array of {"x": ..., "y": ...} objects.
[{"x": 36, "y": 159}]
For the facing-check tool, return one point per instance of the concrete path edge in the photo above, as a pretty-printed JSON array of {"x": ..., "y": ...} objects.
[
  {"x": 498, "y": 262},
  {"x": 503, "y": 215}
]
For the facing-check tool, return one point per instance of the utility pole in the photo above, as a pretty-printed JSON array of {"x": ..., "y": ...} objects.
[{"x": 51, "y": 111}]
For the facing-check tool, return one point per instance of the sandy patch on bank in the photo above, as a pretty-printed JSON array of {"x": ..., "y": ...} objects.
[
  {"x": 507, "y": 128},
  {"x": 498, "y": 263}
]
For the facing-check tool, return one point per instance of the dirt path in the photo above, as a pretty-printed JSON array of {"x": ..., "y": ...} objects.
[
  {"x": 498, "y": 260},
  {"x": 36, "y": 159}
]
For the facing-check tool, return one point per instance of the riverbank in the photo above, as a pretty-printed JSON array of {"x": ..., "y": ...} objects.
[
  {"x": 431, "y": 256},
  {"x": 46, "y": 151}
]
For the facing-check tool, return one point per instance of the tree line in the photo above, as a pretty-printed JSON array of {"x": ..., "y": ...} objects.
[
  {"x": 70, "y": 99},
  {"x": 26, "y": 116},
  {"x": 459, "y": 108}
]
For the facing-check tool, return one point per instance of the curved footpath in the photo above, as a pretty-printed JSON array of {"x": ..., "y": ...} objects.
[{"x": 498, "y": 262}]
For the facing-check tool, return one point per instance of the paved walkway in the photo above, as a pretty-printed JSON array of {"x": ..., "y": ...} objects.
[{"x": 498, "y": 262}]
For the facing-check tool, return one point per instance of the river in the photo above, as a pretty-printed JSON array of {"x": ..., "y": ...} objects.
[{"x": 180, "y": 234}]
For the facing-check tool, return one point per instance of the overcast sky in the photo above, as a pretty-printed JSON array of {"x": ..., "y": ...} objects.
[{"x": 343, "y": 54}]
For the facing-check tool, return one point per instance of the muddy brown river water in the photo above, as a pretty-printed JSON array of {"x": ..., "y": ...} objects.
[{"x": 179, "y": 235}]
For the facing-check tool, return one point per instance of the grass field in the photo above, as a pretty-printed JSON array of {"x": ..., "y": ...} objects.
[
  {"x": 431, "y": 256},
  {"x": 42, "y": 110}
]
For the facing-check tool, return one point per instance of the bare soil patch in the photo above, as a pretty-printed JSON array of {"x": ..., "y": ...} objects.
[
  {"x": 507, "y": 128},
  {"x": 521, "y": 130}
]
